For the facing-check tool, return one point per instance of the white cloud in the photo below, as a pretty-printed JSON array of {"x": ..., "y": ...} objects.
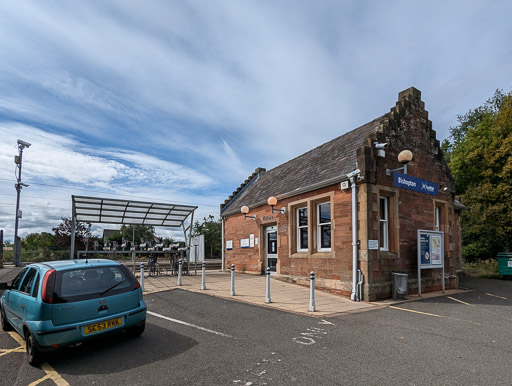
[
  {"x": 65, "y": 166},
  {"x": 59, "y": 157},
  {"x": 182, "y": 100}
]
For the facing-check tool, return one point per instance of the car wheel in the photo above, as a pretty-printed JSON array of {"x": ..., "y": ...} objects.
[
  {"x": 136, "y": 331},
  {"x": 33, "y": 353},
  {"x": 6, "y": 326}
]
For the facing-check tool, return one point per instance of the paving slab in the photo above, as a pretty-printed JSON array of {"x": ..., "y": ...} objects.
[{"x": 251, "y": 289}]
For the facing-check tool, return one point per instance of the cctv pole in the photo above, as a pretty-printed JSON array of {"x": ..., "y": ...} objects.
[{"x": 18, "y": 186}]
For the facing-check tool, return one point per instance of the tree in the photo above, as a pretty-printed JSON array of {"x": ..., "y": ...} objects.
[
  {"x": 63, "y": 233},
  {"x": 211, "y": 230},
  {"x": 43, "y": 240},
  {"x": 147, "y": 232},
  {"x": 480, "y": 157}
]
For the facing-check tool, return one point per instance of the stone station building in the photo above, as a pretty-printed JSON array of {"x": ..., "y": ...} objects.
[{"x": 311, "y": 228}]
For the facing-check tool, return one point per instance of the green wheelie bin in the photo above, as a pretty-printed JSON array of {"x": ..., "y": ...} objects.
[{"x": 504, "y": 264}]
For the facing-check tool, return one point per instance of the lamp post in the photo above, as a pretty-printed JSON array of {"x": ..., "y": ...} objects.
[{"x": 18, "y": 160}]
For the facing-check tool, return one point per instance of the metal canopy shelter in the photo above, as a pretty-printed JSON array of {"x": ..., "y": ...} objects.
[{"x": 128, "y": 212}]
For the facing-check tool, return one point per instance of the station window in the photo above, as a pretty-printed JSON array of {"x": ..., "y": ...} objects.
[
  {"x": 324, "y": 227},
  {"x": 384, "y": 223},
  {"x": 437, "y": 221},
  {"x": 302, "y": 229}
]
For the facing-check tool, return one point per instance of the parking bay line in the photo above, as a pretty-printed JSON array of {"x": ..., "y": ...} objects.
[
  {"x": 496, "y": 296},
  {"x": 481, "y": 308},
  {"x": 20, "y": 348},
  {"x": 460, "y": 301},
  {"x": 52, "y": 374},
  {"x": 435, "y": 315},
  {"x": 189, "y": 324}
]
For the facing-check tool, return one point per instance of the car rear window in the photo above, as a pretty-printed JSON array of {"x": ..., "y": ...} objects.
[{"x": 92, "y": 282}]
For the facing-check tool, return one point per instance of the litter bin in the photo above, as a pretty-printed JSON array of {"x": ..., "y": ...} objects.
[
  {"x": 399, "y": 285},
  {"x": 504, "y": 264}
]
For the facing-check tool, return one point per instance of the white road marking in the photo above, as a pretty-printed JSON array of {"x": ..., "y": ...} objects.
[
  {"x": 326, "y": 322},
  {"x": 188, "y": 324}
]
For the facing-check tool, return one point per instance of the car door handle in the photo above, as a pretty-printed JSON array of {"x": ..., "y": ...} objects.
[{"x": 103, "y": 308}]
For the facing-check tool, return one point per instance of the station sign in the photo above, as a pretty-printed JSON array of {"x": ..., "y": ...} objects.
[{"x": 413, "y": 183}]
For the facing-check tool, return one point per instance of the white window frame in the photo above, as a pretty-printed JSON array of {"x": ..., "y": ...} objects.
[
  {"x": 437, "y": 218},
  {"x": 319, "y": 227},
  {"x": 384, "y": 224},
  {"x": 299, "y": 227}
]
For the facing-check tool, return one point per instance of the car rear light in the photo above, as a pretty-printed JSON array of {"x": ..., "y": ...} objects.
[
  {"x": 137, "y": 285},
  {"x": 48, "y": 286}
]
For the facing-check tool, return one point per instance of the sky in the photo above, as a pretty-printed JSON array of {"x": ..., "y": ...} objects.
[{"x": 179, "y": 101}]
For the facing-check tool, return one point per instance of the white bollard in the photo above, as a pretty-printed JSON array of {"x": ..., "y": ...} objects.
[
  {"x": 142, "y": 276},
  {"x": 179, "y": 272},
  {"x": 267, "y": 294},
  {"x": 203, "y": 285},
  {"x": 312, "y": 307},
  {"x": 232, "y": 292}
]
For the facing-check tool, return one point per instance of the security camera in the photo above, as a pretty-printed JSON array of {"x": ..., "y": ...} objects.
[
  {"x": 381, "y": 145},
  {"x": 354, "y": 173},
  {"x": 23, "y": 143}
]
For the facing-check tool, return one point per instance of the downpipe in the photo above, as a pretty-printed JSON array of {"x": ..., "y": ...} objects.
[{"x": 353, "y": 179}]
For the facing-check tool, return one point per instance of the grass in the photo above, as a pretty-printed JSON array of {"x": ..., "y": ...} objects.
[{"x": 482, "y": 268}]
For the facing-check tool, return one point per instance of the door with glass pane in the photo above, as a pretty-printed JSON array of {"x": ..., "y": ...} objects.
[{"x": 271, "y": 248}]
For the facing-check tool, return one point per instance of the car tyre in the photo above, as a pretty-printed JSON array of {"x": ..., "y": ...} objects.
[
  {"x": 137, "y": 331},
  {"x": 6, "y": 326},
  {"x": 33, "y": 352}
]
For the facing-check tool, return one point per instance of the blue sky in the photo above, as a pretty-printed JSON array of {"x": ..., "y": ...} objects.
[{"x": 179, "y": 101}]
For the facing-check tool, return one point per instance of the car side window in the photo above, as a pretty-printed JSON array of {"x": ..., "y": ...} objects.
[
  {"x": 28, "y": 282},
  {"x": 36, "y": 286},
  {"x": 16, "y": 282}
]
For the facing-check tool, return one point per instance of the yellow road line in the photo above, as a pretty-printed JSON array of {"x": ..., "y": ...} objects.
[
  {"x": 40, "y": 380},
  {"x": 8, "y": 351},
  {"x": 49, "y": 370},
  {"x": 416, "y": 312},
  {"x": 54, "y": 375},
  {"x": 17, "y": 338},
  {"x": 460, "y": 301},
  {"x": 496, "y": 296},
  {"x": 481, "y": 308},
  {"x": 435, "y": 315}
]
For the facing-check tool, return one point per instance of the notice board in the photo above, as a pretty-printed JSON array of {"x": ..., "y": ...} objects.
[{"x": 430, "y": 252}]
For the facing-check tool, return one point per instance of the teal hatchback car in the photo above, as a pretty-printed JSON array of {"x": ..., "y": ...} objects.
[{"x": 63, "y": 303}]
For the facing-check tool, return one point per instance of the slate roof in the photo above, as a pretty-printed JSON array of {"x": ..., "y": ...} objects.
[{"x": 328, "y": 163}]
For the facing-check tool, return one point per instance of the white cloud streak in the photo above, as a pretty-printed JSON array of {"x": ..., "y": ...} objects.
[{"x": 136, "y": 98}]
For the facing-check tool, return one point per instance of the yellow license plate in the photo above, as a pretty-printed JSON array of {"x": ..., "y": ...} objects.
[{"x": 92, "y": 328}]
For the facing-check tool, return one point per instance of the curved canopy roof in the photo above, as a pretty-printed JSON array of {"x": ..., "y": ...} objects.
[{"x": 128, "y": 212}]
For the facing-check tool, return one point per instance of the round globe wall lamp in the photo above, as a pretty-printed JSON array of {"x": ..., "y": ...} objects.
[
  {"x": 404, "y": 157},
  {"x": 272, "y": 201},
  {"x": 245, "y": 209}
]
